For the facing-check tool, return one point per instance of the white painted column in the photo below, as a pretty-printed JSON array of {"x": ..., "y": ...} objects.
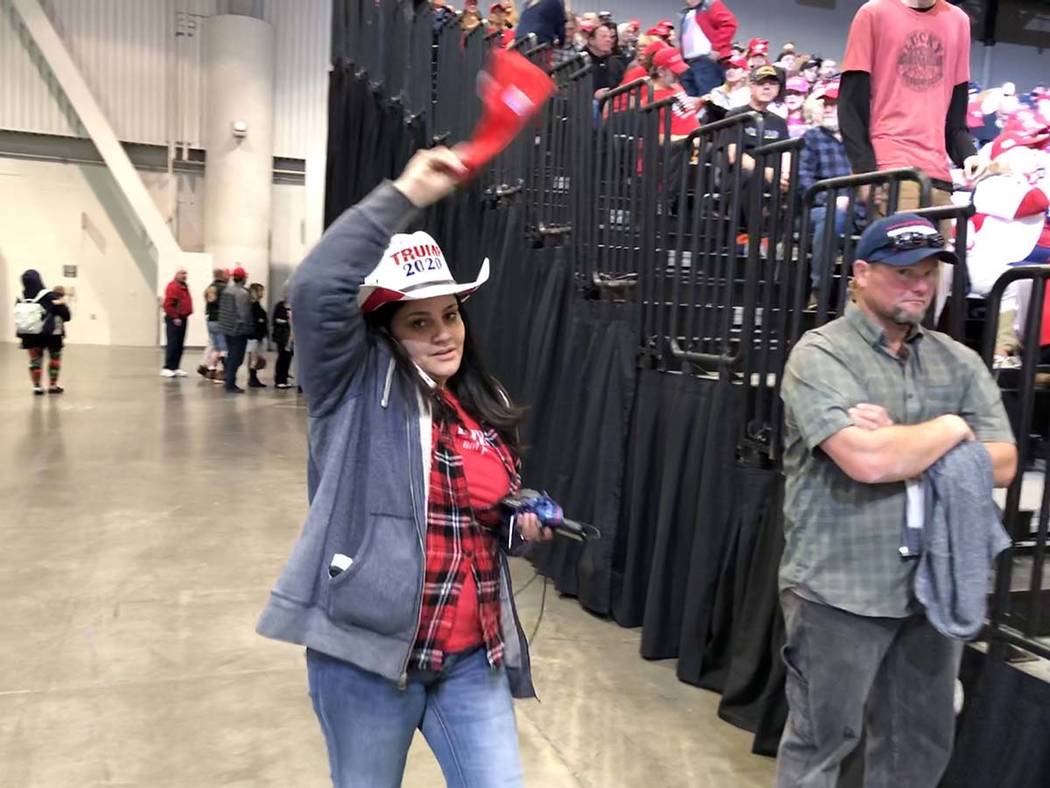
[{"x": 238, "y": 137}]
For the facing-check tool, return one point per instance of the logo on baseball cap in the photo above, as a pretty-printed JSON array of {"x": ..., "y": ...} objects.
[
  {"x": 901, "y": 240},
  {"x": 763, "y": 73},
  {"x": 413, "y": 268},
  {"x": 669, "y": 58}
]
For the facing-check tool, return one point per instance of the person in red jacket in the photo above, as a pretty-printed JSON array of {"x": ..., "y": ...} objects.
[
  {"x": 178, "y": 306},
  {"x": 705, "y": 34}
]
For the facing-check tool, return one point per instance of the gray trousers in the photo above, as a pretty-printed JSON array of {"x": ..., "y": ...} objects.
[{"x": 891, "y": 679}]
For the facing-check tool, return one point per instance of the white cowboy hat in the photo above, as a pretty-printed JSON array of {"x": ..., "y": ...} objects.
[{"x": 413, "y": 267}]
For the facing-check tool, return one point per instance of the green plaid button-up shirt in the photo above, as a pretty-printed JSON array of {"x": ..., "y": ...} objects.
[{"x": 842, "y": 537}]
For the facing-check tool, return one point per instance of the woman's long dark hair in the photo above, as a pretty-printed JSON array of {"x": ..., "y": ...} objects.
[{"x": 481, "y": 395}]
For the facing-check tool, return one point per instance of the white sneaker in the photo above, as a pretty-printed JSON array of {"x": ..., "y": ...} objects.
[
  {"x": 180, "y": 373},
  {"x": 167, "y": 373}
]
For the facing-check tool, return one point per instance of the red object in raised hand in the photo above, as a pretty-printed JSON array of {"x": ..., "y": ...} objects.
[{"x": 512, "y": 91}]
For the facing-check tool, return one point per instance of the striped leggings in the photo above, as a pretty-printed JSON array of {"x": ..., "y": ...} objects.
[{"x": 36, "y": 364}]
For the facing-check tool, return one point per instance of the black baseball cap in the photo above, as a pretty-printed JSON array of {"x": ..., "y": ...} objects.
[
  {"x": 901, "y": 240},
  {"x": 762, "y": 73}
]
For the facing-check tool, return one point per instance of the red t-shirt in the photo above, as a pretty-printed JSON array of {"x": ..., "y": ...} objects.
[
  {"x": 488, "y": 483},
  {"x": 684, "y": 120},
  {"x": 915, "y": 59}
]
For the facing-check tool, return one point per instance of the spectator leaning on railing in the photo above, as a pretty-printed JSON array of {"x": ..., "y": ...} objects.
[{"x": 823, "y": 156}]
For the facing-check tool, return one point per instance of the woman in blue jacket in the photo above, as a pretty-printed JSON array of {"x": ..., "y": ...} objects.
[{"x": 396, "y": 584}]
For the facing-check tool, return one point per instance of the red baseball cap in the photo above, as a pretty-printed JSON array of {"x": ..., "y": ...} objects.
[
  {"x": 831, "y": 92},
  {"x": 1019, "y": 139},
  {"x": 239, "y": 273},
  {"x": 670, "y": 58},
  {"x": 736, "y": 62},
  {"x": 654, "y": 47},
  {"x": 758, "y": 46},
  {"x": 512, "y": 90},
  {"x": 497, "y": 7},
  {"x": 635, "y": 24}
]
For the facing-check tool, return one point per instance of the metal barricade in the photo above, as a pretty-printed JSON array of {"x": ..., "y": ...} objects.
[
  {"x": 552, "y": 168},
  {"x": 617, "y": 187},
  {"x": 1017, "y": 616},
  {"x": 692, "y": 258},
  {"x": 763, "y": 317}
]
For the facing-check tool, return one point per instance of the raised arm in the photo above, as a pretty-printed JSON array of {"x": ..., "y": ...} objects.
[{"x": 330, "y": 332}]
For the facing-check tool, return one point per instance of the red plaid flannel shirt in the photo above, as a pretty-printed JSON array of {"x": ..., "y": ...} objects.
[{"x": 459, "y": 540}]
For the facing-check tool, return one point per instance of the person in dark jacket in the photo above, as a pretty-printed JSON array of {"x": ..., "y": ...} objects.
[
  {"x": 237, "y": 324},
  {"x": 216, "y": 348},
  {"x": 178, "y": 306},
  {"x": 260, "y": 332},
  {"x": 608, "y": 67},
  {"x": 397, "y": 585},
  {"x": 282, "y": 337},
  {"x": 40, "y": 317},
  {"x": 545, "y": 19}
]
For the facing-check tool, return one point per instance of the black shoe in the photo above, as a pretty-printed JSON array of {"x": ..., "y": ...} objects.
[
  {"x": 255, "y": 383},
  {"x": 38, "y": 391},
  {"x": 203, "y": 371},
  {"x": 234, "y": 389},
  {"x": 282, "y": 385},
  {"x": 55, "y": 390}
]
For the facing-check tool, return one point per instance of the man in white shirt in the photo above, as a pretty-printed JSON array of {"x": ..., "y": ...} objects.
[{"x": 706, "y": 34}]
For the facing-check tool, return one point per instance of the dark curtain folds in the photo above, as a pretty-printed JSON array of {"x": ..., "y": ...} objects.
[{"x": 1001, "y": 740}]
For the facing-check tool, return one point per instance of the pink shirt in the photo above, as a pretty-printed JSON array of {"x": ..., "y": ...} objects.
[{"x": 915, "y": 59}]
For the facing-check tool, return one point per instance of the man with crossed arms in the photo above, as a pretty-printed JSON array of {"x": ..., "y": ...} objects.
[{"x": 873, "y": 399}]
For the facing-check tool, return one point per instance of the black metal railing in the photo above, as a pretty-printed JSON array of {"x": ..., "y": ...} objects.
[{"x": 1017, "y": 617}]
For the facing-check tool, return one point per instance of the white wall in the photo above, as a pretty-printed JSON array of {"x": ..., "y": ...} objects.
[
  {"x": 66, "y": 214},
  {"x": 143, "y": 61},
  {"x": 58, "y": 214},
  {"x": 821, "y": 26}
]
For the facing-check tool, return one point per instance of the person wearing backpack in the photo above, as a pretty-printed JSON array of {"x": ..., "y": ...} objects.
[{"x": 39, "y": 320}]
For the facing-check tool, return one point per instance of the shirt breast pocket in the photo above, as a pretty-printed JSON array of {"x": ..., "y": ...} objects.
[{"x": 941, "y": 398}]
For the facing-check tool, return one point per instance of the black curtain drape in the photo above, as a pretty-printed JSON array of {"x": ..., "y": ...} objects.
[{"x": 1003, "y": 729}]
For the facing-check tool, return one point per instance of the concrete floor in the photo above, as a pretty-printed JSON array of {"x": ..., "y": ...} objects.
[{"x": 143, "y": 523}]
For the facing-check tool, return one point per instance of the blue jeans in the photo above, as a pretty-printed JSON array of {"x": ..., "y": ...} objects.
[
  {"x": 703, "y": 76},
  {"x": 892, "y": 679},
  {"x": 216, "y": 337},
  {"x": 236, "y": 346},
  {"x": 818, "y": 217},
  {"x": 465, "y": 713}
]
